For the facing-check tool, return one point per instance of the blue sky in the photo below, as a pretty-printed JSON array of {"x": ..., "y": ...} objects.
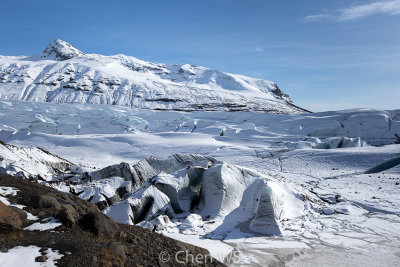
[{"x": 326, "y": 54}]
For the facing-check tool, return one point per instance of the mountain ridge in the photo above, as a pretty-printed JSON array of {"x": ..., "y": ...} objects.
[{"x": 64, "y": 74}]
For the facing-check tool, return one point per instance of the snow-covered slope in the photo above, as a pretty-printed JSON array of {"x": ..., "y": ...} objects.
[{"x": 63, "y": 74}]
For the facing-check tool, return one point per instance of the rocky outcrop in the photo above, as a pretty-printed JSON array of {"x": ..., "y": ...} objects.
[
  {"x": 9, "y": 219},
  {"x": 99, "y": 224}
]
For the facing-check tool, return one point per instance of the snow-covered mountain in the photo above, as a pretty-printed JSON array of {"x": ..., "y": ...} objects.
[{"x": 64, "y": 74}]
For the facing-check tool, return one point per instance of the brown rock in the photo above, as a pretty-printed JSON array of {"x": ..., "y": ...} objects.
[
  {"x": 21, "y": 213},
  {"x": 68, "y": 215},
  {"x": 99, "y": 224},
  {"x": 118, "y": 249},
  {"x": 9, "y": 219},
  {"x": 42, "y": 258},
  {"x": 102, "y": 205},
  {"x": 45, "y": 201}
]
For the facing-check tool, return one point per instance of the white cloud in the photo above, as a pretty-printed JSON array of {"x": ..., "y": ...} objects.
[
  {"x": 258, "y": 49},
  {"x": 317, "y": 17},
  {"x": 355, "y": 12}
]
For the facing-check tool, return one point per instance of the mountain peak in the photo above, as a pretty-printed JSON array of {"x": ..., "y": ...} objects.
[{"x": 61, "y": 50}]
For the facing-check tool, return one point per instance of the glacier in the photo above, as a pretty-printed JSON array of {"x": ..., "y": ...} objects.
[{"x": 278, "y": 189}]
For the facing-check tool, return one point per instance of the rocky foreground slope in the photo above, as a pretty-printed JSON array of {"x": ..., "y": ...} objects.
[
  {"x": 68, "y": 231},
  {"x": 63, "y": 74}
]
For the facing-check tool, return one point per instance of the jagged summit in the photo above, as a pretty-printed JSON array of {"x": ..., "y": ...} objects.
[{"x": 60, "y": 50}]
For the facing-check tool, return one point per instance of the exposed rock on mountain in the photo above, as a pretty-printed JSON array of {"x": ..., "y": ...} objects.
[{"x": 60, "y": 50}]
